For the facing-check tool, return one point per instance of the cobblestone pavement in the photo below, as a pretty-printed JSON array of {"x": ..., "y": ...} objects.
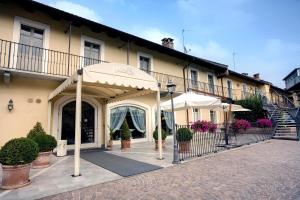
[{"x": 268, "y": 170}]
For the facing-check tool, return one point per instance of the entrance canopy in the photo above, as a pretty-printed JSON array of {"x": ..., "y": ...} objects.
[
  {"x": 192, "y": 100},
  {"x": 111, "y": 81}
]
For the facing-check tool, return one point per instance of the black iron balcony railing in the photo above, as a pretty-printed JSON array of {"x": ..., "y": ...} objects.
[
  {"x": 26, "y": 58},
  {"x": 22, "y": 57}
]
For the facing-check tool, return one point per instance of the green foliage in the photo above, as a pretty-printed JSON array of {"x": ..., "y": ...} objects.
[
  {"x": 37, "y": 129},
  {"x": 45, "y": 142},
  {"x": 125, "y": 135},
  {"x": 19, "y": 151},
  {"x": 184, "y": 135},
  {"x": 255, "y": 104},
  {"x": 163, "y": 134},
  {"x": 111, "y": 133}
]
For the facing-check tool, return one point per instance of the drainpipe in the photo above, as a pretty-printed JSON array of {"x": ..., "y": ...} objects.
[
  {"x": 128, "y": 50},
  {"x": 69, "y": 48},
  {"x": 185, "y": 90}
]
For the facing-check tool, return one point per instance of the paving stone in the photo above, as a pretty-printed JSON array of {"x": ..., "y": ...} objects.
[{"x": 268, "y": 170}]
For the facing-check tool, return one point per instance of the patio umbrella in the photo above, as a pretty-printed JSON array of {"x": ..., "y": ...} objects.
[
  {"x": 234, "y": 108},
  {"x": 192, "y": 100}
]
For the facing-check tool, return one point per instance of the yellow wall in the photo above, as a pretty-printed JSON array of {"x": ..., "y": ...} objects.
[{"x": 25, "y": 114}]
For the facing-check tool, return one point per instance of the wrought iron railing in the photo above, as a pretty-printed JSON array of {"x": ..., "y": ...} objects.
[
  {"x": 203, "y": 143},
  {"x": 21, "y": 57}
]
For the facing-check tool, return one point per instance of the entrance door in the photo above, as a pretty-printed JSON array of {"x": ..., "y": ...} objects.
[{"x": 87, "y": 126}]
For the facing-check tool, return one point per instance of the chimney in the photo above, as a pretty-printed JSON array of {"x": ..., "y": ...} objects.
[
  {"x": 245, "y": 74},
  {"x": 256, "y": 76},
  {"x": 168, "y": 42}
]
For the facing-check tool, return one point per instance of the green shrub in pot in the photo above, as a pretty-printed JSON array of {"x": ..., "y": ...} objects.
[
  {"x": 184, "y": 135},
  {"x": 163, "y": 134},
  {"x": 19, "y": 151}
]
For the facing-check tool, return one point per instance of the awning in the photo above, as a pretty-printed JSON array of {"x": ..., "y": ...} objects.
[
  {"x": 192, "y": 100},
  {"x": 112, "y": 81}
]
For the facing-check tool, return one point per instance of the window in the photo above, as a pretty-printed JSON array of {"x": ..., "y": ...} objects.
[
  {"x": 91, "y": 53},
  {"x": 213, "y": 117},
  {"x": 196, "y": 114},
  {"x": 30, "y": 52},
  {"x": 229, "y": 88},
  {"x": 211, "y": 83},
  {"x": 145, "y": 63},
  {"x": 194, "y": 78}
]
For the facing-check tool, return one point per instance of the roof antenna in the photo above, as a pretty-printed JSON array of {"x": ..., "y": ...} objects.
[
  {"x": 185, "y": 50},
  {"x": 233, "y": 59}
]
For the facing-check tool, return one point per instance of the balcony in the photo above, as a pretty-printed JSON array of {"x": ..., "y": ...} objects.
[{"x": 34, "y": 60}]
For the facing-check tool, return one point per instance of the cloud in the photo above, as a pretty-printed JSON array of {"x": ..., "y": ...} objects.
[
  {"x": 211, "y": 51},
  {"x": 155, "y": 35},
  {"x": 77, "y": 9}
]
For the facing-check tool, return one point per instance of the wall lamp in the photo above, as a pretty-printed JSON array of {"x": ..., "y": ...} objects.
[{"x": 10, "y": 105}]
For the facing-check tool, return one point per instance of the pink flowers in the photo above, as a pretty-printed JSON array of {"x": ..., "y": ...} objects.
[
  {"x": 241, "y": 124},
  {"x": 204, "y": 126},
  {"x": 264, "y": 123}
]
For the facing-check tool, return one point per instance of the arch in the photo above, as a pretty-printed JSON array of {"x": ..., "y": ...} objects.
[
  {"x": 137, "y": 104},
  {"x": 57, "y": 118}
]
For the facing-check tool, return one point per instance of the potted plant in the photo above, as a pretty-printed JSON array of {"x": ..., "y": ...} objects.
[
  {"x": 163, "y": 137},
  {"x": 240, "y": 125},
  {"x": 184, "y": 137},
  {"x": 125, "y": 136},
  {"x": 46, "y": 144},
  {"x": 110, "y": 142},
  {"x": 16, "y": 157}
]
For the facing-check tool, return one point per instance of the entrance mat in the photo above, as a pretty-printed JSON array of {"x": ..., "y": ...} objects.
[{"x": 123, "y": 166}]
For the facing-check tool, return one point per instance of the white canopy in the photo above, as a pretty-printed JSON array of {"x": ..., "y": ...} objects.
[
  {"x": 192, "y": 100},
  {"x": 110, "y": 82},
  {"x": 117, "y": 82}
]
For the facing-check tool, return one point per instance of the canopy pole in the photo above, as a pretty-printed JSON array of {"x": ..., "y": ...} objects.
[
  {"x": 159, "y": 123},
  {"x": 49, "y": 117},
  {"x": 78, "y": 124}
]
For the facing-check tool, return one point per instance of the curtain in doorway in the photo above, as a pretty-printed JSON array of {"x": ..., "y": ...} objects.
[
  {"x": 117, "y": 117},
  {"x": 138, "y": 118},
  {"x": 168, "y": 119}
]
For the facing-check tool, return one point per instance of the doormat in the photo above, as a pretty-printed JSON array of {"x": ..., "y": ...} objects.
[{"x": 123, "y": 166}]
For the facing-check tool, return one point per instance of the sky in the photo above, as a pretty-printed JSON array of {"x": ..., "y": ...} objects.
[{"x": 258, "y": 36}]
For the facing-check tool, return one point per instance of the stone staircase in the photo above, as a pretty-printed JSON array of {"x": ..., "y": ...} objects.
[{"x": 286, "y": 127}]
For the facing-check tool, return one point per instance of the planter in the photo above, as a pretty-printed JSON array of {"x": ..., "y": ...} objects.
[
  {"x": 184, "y": 146},
  {"x": 42, "y": 161},
  {"x": 15, "y": 176},
  {"x": 125, "y": 144},
  {"x": 156, "y": 144},
  {"x": 110, "y": 144}
]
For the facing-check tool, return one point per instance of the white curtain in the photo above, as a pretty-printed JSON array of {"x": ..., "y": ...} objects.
[
  {"x": 138, "y": 118},
  {"x": 168, "y": 118},
  {"x": 117, "y": 117}
]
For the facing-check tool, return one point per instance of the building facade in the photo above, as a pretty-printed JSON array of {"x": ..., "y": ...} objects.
[{"x": 41, "y": 46}]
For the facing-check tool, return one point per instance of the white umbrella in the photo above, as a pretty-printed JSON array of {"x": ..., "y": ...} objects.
[
  {"x": 236, "y": 107},
  {"x": 192, "y": 100}
]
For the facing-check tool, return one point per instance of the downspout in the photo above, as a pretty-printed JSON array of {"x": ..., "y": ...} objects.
[
  {"x": 186, "y": 90},
  {"x": 128, "y": 50},
  {"x": 69, "y": 48}
]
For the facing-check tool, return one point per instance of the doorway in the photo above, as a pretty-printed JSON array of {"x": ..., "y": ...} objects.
[{"x": 88, "y": 135}]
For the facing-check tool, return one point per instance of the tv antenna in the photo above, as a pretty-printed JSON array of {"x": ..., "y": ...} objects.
[
  {"x": 185, "y": 50},
  {"x": 233, "y": 59}
]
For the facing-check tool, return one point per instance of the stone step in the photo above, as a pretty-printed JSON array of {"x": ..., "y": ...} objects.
[{"x": 286, "y": 137}]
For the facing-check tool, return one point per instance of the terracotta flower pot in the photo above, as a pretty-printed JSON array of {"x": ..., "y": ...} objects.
[
  {"x": 125, "y": 144},
  {"x": 184, "y": 146},
  {"x": 110, "y": 144},
  {"x": 42, "y": 161},
  {"x": 156, "y": 144},
  {"x": 15, "y": 176}
]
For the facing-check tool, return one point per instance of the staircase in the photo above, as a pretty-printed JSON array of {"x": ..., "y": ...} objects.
[{"x": 286, "y": 126}]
